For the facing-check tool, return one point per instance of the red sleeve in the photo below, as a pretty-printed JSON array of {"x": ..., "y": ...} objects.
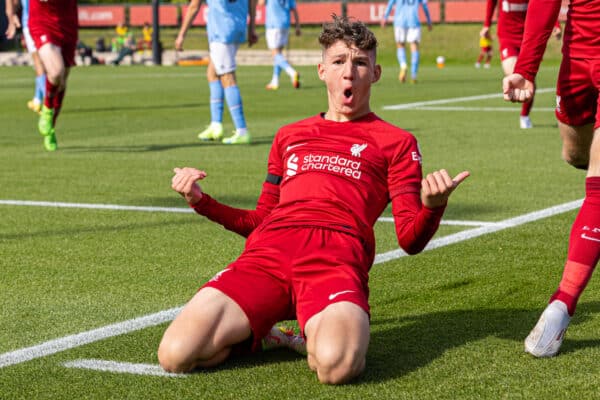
[
  {"x": 540, "y": 20},
  {"x": 489, "y": 12},
  {"x": 239, "y": 220},
  {"x": 415, "y": 224}
]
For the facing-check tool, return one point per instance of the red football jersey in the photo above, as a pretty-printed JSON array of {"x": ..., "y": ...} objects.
[
  {"x": 338, "y": 175},
  {"x": 511, "y": 18},
  {"x": 55, "y": 18},
  {"x": 341, "y": 174}
]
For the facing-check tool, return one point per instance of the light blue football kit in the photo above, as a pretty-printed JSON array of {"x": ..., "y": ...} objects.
[
  {"x": 227, "y": 21},
  {"x": 278, "y": 13},
  {"x": 406, "y": 18}
]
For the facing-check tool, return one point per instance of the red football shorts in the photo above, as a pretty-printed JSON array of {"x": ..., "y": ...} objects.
[
  {"x": 294, "y": 273},
  {"x": 67, "y": 47},
  {"x": 508, "y": 48},
  {"x": 577, "y": 89}
]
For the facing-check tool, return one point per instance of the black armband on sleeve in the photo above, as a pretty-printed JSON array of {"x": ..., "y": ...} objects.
[{"x": 274, "y": 179}]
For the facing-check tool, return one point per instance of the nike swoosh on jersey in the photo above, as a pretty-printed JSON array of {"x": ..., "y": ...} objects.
[
  {"x": 334, "y": 295},
  {"x": 584, "y": 236},
  {"x": 292, "y": 146}
]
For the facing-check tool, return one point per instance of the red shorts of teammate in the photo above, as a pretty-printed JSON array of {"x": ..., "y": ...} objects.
[
  {"x": 67, "y": 46},
  {"x": 294, "y": 273},
  {"x": 509, "y": 48},
  {"x": 577, "y": 88}
]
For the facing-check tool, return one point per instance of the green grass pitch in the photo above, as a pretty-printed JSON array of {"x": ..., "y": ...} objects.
[{"x": 446, "y": 324}]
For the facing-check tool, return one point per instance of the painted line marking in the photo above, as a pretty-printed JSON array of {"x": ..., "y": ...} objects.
[
  {"x": 484, "y": 230},
  {"x": 452, "y": 222},
  {"x": 117, "y": 207},
  {"x": 120, "y": 328},
  {"x": 478, "y": 109},
  {"x": 122, "y": 367},
  {"x": 94, "y": 206},
  {"x": 83, "y": 338},
  {"x": 454, "y": 100}
]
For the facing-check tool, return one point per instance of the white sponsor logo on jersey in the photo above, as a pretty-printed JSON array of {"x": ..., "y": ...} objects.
[
  {"x": 356, "y": 149},
  {"x": 336, "y": 164},
  {"x": 292, "y": 165}
]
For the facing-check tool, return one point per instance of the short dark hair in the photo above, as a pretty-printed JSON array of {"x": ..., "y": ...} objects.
[{"x": 350, "y": 32}]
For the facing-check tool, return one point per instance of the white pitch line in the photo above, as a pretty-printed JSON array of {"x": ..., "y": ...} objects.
[
  {"x": 452, "y": 222},
  {"x": 118, "y": 207},
  {"x": 94, "y": 206},
  {"x": 122, "y": 367},
  {"x": 94, "y": 335},
  {"x": 484, "y": 230},
  {"x": 83, "y": 338},
  {"x": 483, "y": 109},
  {"x": 454, "y": 100}
]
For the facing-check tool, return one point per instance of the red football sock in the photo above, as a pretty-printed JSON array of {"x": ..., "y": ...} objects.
[
  {"x": 526, "y": 108},
  {"x": 51, "y": 92},
  {"x": 58, "y": 99},
  {"x": 584, "y": 248}
]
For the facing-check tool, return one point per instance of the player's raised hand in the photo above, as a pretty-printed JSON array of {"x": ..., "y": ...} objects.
[
  {"x": 517, "y": 89},
  {"x": 184, "y": 183},
  {"x": 437, "y": 186}
]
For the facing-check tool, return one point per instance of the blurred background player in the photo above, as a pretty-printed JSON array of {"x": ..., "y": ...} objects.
[
  {"x": 145, "y": 43},
  {"x": 578, "y": 115},
  {"x": 53, "y": 26},
  {"x": 118, "y": 41},
  {"x": 226, "y": 24},
  {"x": 128, "y": 48},
  {"x": 511, "y": 24},
  {"x": 35, "y": 104},
  {"x": 277, "y": 32},
  {"x": 485, "y": 51},
  {"x": 407, "y": 29}
]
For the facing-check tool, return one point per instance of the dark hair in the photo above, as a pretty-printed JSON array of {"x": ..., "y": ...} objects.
[{"x": 350, "y": 32}]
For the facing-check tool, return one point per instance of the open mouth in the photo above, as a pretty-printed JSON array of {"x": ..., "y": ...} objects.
[{"x": 348, "y": 93}]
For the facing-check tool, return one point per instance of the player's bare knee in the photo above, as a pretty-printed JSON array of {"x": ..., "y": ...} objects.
[
  {"x": 575, "y": 159},
  {"x": 173, "y": 356},
  {"x": 338, "y": 367}
]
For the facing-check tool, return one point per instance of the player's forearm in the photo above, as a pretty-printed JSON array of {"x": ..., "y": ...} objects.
[
  {"x": 541, "y": 17},
  {"x": 388, "y": 10},
  {"x": 426, "y": 12},
  {"x": 252, "y": 13},
  {"x": 415, "y": 224},
  {"x": 191, "y": 13},
  {"x": 240, "y": 221},
  {"x": 489, "y": 12}
]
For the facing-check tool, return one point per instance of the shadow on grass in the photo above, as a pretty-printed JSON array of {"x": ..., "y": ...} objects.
[
  {"x": 416, "y": 341},
  {"x": 401, "y": 346}
]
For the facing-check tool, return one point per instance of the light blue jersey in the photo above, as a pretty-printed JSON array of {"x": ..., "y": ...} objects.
[
  {"x": 406, "y": 14},
  {"x": 278, "y": 13},
  {"x": 227, "y": 21}
]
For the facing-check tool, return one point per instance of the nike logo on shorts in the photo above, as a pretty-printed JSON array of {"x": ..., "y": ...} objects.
[{"x": 334, "y": 295}]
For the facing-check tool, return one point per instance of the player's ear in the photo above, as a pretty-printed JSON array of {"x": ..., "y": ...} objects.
[
  {"x": 376, "y": 73},
  {"x": 321, "y": 71}
]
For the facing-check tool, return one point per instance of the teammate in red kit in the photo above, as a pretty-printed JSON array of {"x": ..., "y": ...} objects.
[
  {"x": 511, "y": 23},
  {"x": 54, "y": 27},
  {"x": 310, "y": 239},
  {"x": 578, "y": 114}
]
